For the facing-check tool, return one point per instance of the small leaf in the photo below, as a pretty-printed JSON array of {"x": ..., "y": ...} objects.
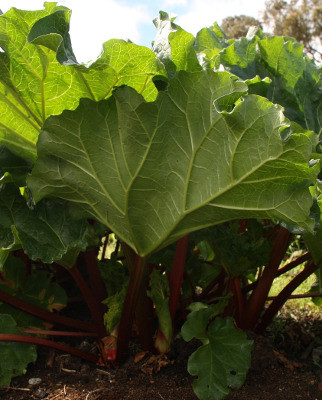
[
  {"x": 115, "y": 305},
  {"x": 15, "y": 356},
  {"x": 197, "y": 322},
  {"x": 159, "y": 294},
  {"x": 222, "y": 363}
]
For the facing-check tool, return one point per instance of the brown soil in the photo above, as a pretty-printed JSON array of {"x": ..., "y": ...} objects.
[{"x": 282, "y": 369}]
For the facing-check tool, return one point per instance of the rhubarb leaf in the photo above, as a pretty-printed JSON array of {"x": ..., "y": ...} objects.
[
  {"x": 183, "y": 53},
  {"x": 15, "y": 357},
  {"x": 197, "y": 322},
  {"x": 222, "y": 362},
  {"x": 208, "y": 44},
  {"x": 47, "y": 79},
  {"x": 153, "y": 172},
  {"x": 295, "y": 80},
  {"x": 16, "y": 166},
  {"x": 47, "y": 232}
]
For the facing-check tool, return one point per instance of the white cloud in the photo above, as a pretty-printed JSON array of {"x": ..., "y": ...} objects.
[
  {"x": 203, "y": 13},
  {"x": 21, "y": 4},
  {"x": 94, "y": 21},
  {"x": 171, "y": 3}
]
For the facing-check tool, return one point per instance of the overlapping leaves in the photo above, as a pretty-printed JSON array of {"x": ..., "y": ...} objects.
[
  {"x": 295, "y": 81},
  {"x": 39, "y": 74},
  {"x": 153, "y": 172}
]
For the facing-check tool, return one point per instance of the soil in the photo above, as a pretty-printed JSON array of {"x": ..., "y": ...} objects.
[{"x": 286, "y": 365}]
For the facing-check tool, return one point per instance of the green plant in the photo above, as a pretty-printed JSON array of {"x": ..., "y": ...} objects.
[{"x": 197, "y": 172}]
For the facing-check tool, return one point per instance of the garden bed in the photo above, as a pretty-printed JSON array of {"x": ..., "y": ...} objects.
[{"x": 284, "y": 366}]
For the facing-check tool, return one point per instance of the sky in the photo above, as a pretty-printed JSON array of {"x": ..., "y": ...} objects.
[{"x": 95, "y": 21}]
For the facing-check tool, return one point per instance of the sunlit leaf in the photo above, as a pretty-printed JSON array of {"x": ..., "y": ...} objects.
[{"x": 152, "y": 172}]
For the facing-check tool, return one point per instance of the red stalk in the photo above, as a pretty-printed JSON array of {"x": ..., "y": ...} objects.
[
  {"x": 95, "y": 278},
  {"x": 137, "y": 273},
  {"x": 298, "y": 296},
  {"x": 58, "y": 333},
  {"x": 5, "y": 337},
  {"x": 279, "y": 301},
  {"x": 287, "y": 267},
  {"x": 92, "y": 302},
  {"x": 259, "y": 295},
  {"x": 44, "y": 314},
  {"x": 242, "y": 226},
  {"x": 26, "y": 260},
  {"x": 239, "y": 300},
  {"x": 217, "y": 283},
  {"x": 176, "y": 275}
]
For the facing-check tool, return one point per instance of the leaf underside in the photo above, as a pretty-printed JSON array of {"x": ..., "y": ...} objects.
[
  {"x": 39, "y": 75},
  {"x": 152, "y": 172}
]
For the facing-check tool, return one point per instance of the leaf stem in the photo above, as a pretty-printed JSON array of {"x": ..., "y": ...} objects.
[
  {"x": 280, "y": 300},
  {"x": 259, "y": 295},
  {"x": 176, "y": 275},
  {"x": 92, "y": 302},
  {"x": 8, "y": 337},
  {"x": 44, "y": 314},
  {"x": 135, "y": 286}
]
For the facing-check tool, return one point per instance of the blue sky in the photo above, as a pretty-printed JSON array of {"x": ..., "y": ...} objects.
[{"x": 95, "y": 21}]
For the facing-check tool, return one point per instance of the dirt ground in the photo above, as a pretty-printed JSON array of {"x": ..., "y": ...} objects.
[{"x": 286, "y": 365}]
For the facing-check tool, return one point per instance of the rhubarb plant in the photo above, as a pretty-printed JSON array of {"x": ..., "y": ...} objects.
[{"x": 177, "y": 150}]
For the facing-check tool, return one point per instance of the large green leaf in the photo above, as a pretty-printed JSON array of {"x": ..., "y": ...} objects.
[
  {"x": 39, "y": 75},
  {"x": 152, "y": 172},
  {"x": 222, "y": 362},
  {"x": 47, "y": 232},
  {"x": 15, "y": 357},
  {"x": 295, "y": 80}
]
